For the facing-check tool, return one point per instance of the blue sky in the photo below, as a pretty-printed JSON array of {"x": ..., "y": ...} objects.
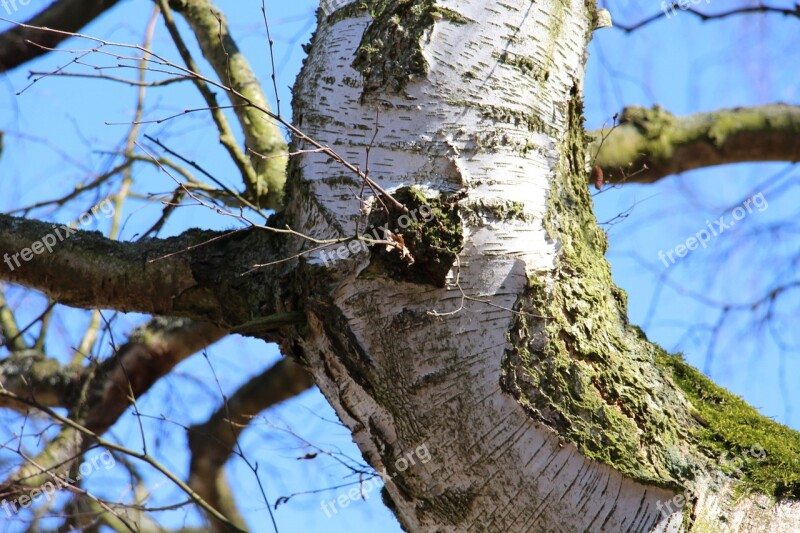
[{"x": 59, "y": 131}]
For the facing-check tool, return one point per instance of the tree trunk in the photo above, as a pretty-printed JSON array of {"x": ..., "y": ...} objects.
[
  {"x": 465, "y": 327},
  {"x": 542, "y": 409}
]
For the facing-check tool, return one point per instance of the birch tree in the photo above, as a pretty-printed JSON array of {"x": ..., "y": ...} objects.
[{"x": 433, "y": 266}]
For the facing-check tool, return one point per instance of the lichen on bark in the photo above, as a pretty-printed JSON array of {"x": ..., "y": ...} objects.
[
  {"x": 580, "y": 369},
  {"x": 597, "y": 381},
  {"x": 731, "y": 429},
  {"x": 650, "y": 144},
  {"x": 431, "y": 233},
  {"x": 390, "y": 54}
]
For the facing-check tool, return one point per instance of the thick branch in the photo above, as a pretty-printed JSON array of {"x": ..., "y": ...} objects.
[
  {"x": 192, "y": 275},
  {"x": 650, "y": 144},
  {"x": 226, "y": 136},
  {"x": 152, "y": 351},
  {"x": 150, "y": 354},
  {"x": 31, "y": 375},
  {"x": 213, "y": 442},
  {"x": 63, "y": 15}
]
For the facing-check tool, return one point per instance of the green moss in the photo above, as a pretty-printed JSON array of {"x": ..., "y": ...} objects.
[
  {"x": 773, "y": 118},
  {"x": 390, "y": 54},
  {"x": 450, "y": 15},
  {"x": 733, "y": 429},
  {"x": 583, "y": 371},
  {"x": 555, "y": 27},
  {"x": 433, "y": 237},
  {"x": 651, "y": 137},
  {"x": 342, "y": 180},
  {"x": 579, "y": 369},
  {"x": 620, "y": 296},
  {"x": 502, "y": 210},
  {"x": 525, "y": 64},
  {"x": 530, "y": 121},
  {"x": 651, "y": 122}
]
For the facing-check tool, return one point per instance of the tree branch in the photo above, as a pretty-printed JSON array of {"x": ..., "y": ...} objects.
[
  {"x": 226, "y": 136},
  {"x": 212, "y": 443},
  {"x": 269, "y": 151},
  {"x": 151, "y": 353},
  {"x": 651, "y": 144},
  {"x": 9, "y": 330},
  {"x": 31, "y": 375},
  {"x": 669, "y": 9},
  {"x": 180, "y": 276},
  {"x": 98, "y": 395},
  {"x": 63, "y": 15},
  {"x": 74, "y": 430}
]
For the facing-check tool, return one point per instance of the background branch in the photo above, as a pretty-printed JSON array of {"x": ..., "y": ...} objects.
[
  {"x": 63, "y": 15},
  {"x": 262, "y": 135},
  {"x": 212, "y": 443},
  {"x": 97, "y": 395},
  {"x": 651, "y": 144},
  {"x": 672, "y": 8}
]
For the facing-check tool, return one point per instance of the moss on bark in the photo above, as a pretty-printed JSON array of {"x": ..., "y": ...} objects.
[
  {"x": 765, "y": 454},
  {"x": 597, "y": 381},
  {"x": 390, "y": 54},
  {"x": 431, "y": 233},
  {"x": 580, "y": 369}
]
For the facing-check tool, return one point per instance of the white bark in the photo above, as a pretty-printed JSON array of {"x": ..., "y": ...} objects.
[{"x": 490, "y": 117}]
